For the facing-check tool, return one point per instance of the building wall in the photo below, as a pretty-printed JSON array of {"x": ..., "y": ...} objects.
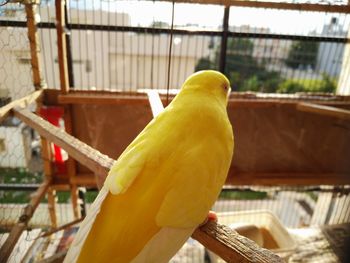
[
  {"x": 329, "y": 58},
  {"x": 14, "y": 147},
  {"x": 344, "y": 79},
  {"x": 15, "y": 68}
]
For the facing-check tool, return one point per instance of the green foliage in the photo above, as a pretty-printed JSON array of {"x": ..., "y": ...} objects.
[
  {"x": 290, "y": 86},
  {"x": 14, "y": 197},
  {"x": 251, "y": 84},
  {"x": 90, "y": 196},
  {"x": 243, "y": 70},
  {"x": 247, "y": 73},
  {"x": 326, "y": 84},
  {"x": 302, "y": 54},
  {"x": 240, "y": 46},
  {"x": 243, "y": 195},
  {"x": 204, "y": 64},
  {"x": 17, "y": 176}
]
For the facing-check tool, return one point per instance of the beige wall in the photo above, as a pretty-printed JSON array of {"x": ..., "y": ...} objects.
[{"x": 344, "y": 79}]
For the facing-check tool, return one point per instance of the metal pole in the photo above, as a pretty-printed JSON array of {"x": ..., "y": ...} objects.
[
  {"x": 222, "y": 62},
  {"x": 69, "y": 49}
]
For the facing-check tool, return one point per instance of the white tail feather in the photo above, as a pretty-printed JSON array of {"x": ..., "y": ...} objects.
[
  {"x": 163, "y": 245},
  {"x": 84, "y": 229}
]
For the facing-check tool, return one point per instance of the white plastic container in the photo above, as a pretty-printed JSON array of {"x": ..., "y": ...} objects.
[{"x": 262, "y": 219}]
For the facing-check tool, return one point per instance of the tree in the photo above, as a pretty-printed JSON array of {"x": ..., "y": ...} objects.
[
  {"x": 243, "y": 70},
  {"x": 326, "y": 84},
  {"x": 203, "y": 64},
  {"x": 302, "y": 54},
  {"x": 159, "y": 24}
]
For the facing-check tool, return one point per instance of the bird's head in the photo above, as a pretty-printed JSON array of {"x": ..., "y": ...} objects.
[{"x": 210, "y": 81}]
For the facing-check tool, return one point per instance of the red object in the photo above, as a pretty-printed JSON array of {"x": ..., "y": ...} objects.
[{"x": 53, "y": 115}]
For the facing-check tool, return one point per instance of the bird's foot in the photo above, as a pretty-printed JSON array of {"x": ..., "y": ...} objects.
[{"x": 210, "y": 217}]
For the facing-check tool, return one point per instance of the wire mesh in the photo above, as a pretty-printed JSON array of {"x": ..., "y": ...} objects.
[
  {"x": 304, "y": 211},
  {"x": 16, "y": 139},
  {"x": 19, "y": 145},
  {"x": 114, "y": 47}
]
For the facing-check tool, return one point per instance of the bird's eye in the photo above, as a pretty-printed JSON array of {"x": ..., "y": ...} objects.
[{"x": 225, "y": 87}]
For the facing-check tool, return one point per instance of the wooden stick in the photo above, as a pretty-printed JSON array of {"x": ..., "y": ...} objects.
[
  {"x": 51, "y": 200},
  {"x": 23, "y": 102},
  {"x": 91, "y": 158},
  {"x": 18, "y": 229},
  {"x": 62, "y": 45},
  {"x": 223, "y": 241},
  {"x": 71, "y": 164},
  {"x": 62, "y": 227},
  {"x": 34, "y": 44},
  {"x": 231, "y": 246},
  {"x": 324, "y": 110},
  {"x": 155, "y": 102},
  {"x": 84, "y": 180}
]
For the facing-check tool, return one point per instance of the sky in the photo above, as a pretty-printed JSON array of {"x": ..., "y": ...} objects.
[{"x": 279, "y": 21}]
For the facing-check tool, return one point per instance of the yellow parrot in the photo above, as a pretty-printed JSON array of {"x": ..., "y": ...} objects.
[{"x": 164, "y": 183}]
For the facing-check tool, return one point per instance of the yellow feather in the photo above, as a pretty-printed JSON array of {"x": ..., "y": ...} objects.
[{"x": 167, "y": 178}]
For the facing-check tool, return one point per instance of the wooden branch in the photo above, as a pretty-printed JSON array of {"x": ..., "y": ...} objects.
[
  {"x": 17, "y": 230},
  {"x": 48, "y": 233},
  {"x": 155, "y": 102},
  {"x": 62, "y": 45},
  {"x": 221, "y": 240},
  {"x": 34, "y": 44},
  {"x": 231, "y": 246},
  {"x": 86, "y": 155},
  {"x": 324, "y": 110},
  {"x": 71, "y": 164},
  {"x": 51, "y": 201},
  {"x": 84, "y": 180},
  {"x": 23, "y": 102},
  {"x": 274, "y": 5}
]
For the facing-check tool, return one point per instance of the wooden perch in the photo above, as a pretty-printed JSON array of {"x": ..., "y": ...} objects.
[
  {"x": 22, "y": 103},
  {"x": 155, "y": 102},
  {"x": 27, "y": 214},
  {"x": 324, "y": 110},
  {"x": 80, "y": 151},
  {"x": 231, "y": 246},
  {"x": 227, "y": 244},
  {"x": 221, "y": 240}
]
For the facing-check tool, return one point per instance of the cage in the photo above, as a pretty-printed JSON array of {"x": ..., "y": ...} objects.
[{"x": 80, "y": 79}]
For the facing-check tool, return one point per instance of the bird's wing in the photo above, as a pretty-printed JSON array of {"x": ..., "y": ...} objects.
[
  {"x": 139, "y": 153},
  {"x": 120, "y": 177},
  {"x": 197, "y": 182}
]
